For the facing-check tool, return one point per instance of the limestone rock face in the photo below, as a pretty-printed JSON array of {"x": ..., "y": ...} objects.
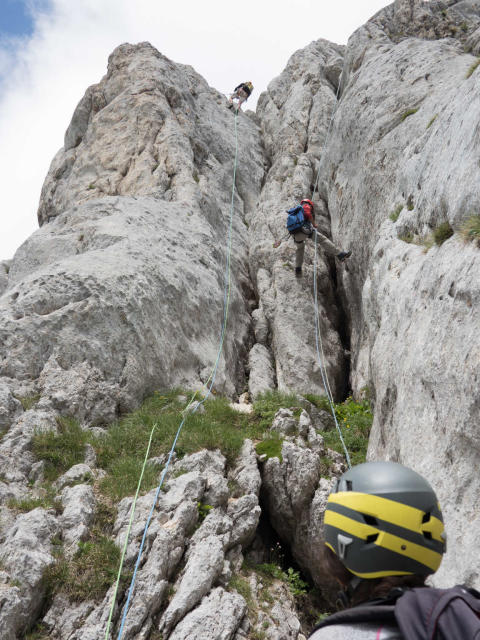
[
  {"x": 4, "y": 268},
  {"x": 217, "y": 617},
  {"x": 25, "y": 552},
  {"x": 151, "y": 126},
  {"x": 294, "y": 114},
  {"x": 277, "y": 618},
  {"x": 187, "y": 561},
  {"x": 122, "y": 291},
  {"x": 262, "y": 375},
  {"x": 295, "y": 490},
  {"x": 402, "y": 159}
]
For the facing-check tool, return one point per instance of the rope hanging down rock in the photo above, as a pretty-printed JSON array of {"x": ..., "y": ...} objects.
[
  {"x": 318, "y": 334},
  {"x": 190, "y": 409}
]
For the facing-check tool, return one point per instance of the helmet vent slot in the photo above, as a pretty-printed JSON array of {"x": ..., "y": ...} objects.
[
  {"x": 427, "y": 535},
  {"x": 371, "y": 538},
  {"x": 426, "y": 517},
  {"x": 370, "y": 520}
]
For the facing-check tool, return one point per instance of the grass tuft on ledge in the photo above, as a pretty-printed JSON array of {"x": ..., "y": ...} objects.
[{"x": 470, "y": 230}]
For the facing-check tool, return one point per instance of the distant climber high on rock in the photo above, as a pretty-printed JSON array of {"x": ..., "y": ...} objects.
[
  {"x": 241, "y": 93},
  {"x": 301, "y": 225}
]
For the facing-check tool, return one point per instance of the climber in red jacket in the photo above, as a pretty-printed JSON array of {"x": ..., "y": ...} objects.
[{"x": 306, "y": 231}]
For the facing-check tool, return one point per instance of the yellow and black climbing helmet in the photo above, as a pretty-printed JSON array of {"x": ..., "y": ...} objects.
[{"x": 383, "y": 519}]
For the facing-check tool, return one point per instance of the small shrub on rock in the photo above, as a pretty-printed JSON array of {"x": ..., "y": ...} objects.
[
  {"x": 408, "y": 237},
  {"x": 443, "y": 232},
  {"x": 203, "y": 510}
]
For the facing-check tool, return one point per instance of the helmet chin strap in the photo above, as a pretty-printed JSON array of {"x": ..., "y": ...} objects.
[{"x": 345, "y": 596}]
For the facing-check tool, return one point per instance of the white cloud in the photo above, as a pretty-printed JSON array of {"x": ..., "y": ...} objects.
[{"x": 43, "y": 77}]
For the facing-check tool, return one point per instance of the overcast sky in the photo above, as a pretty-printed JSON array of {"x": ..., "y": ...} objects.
[{"x": 52, "y": 50}]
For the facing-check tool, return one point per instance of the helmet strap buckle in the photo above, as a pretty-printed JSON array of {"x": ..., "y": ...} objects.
[{"x": 345, "y": 596}]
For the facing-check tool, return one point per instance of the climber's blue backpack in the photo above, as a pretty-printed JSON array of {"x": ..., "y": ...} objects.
[
  {"x": 295, "y": 218},
  {"x": 421, "y": 613}
]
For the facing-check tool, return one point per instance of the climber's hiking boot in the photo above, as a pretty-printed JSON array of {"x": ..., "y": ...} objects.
[
  {"x": 298, "y": 271},
  {"x": 343, "y": 255}
]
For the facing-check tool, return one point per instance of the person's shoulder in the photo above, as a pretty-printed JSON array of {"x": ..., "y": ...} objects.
[{"x": 362, "y": 631}]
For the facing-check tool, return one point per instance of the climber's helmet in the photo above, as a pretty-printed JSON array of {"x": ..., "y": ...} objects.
[
  {"x": 307, "y": 201},
  {"x": 383, "y": 519}
]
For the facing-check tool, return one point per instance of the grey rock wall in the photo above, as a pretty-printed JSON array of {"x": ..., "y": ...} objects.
[
  {"x": 295, "y": 489},
  {"x": 187, "y": 562},
  {"x": 406, "y": 135},
  {"x": 294, "y": 113},
  {"x": 4, "y": 269},
  {"x": 121, "y": 290},
  {"x": 120, "y": 293}
]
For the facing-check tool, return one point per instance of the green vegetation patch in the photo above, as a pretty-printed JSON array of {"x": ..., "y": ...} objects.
[
  {"x": 267, "y": 404},
  {"x": 472, "y": 68},
  {"x": 470, "y": 230},
  {"x": 93, "y": 569},
  {"x": 407, "y": 237},
  {"x": 407, "y": 113},
  {"x": 47, "y": 500},
  {"x": 61, "y": 450},
  {"x": 89, "y": 574},
  {"x": 121, "y": 450},
  {"x": 432, "y": 120},
  {"x": 203, "y": 510},
  {"x": 39, "y": 632},
  {"x": 355, "y": 420},
  {"x": 443, "y": 232},
  {"x": 271, "y": 571},
  {"x": 396, "y": 212},
  {"x": 28, "y": 402},
  {"x": 321, "y": 402},
  {"x": 242, "y": 586},
  {"x": 271, "y": 446}
]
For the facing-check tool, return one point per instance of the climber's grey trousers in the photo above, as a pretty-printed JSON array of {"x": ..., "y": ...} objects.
[{"x": 326, "y": 244}]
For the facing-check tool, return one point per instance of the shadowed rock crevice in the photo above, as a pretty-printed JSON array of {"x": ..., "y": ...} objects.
[{"x": 294, "y": 114}]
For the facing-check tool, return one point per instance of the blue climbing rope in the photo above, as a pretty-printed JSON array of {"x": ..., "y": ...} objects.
[{"x": 191, "y": 408}]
